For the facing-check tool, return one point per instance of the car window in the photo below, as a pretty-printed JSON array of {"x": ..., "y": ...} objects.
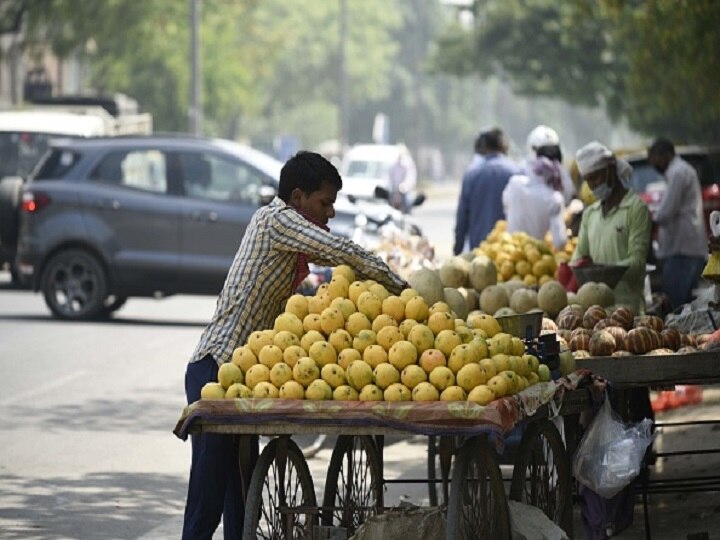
[
  {"x": 55, "y": 164},
  {"x": 211, "y": 176},
  {"x": 138, "y": 169}
]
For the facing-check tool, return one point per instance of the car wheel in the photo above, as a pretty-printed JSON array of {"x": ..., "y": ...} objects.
[
  {"x": 112, "y": 303},
  {"x": 74, "y": 285}
]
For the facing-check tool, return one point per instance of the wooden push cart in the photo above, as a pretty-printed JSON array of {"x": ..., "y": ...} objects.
[{"x": 280, "y": 496}]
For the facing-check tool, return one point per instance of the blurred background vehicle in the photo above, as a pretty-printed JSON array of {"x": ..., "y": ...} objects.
[
  {"x": 650, "y": 185},
  {"x": 366, "y": 167},
  {"x": 26, "y": 133},
  {"x": 108, "y": 218}
]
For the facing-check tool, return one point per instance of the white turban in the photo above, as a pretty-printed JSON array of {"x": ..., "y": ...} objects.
[{"x": 594, "y": 156}]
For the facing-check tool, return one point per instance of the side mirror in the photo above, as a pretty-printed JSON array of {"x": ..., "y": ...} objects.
[
  {"x": 266, "y": 194},
  {"x": 382, "y": 193},
  {"x": 419, "y": 199}
]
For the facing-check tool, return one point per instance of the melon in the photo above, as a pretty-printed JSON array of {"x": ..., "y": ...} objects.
[
  {"x": 512, "y": 286},
  {"x": 457, "y": 302},
  {"x": 523, "y": 300},
  {"x": 428, "y": 285},
  {"x": 620, "y": 336},
  {"x": 592, "y": 316},
  {"x": 483, "y": 273},
  {"x": 592, "y": 293},
  {"x": 602, "y": 343},
  {"x": 624, "y": 316},
  {"x": 472, "y": 298},
  {"x": 492, "y": 298},
  {"x": 504, "y": 312},
  {"x": 552, "y": 298},
  {"x": 454, "y": 272}
]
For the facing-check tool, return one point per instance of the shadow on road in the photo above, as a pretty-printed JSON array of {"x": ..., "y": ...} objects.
[
  {"x": 136, "y": 414},
  {"x": 97, "y": 505},
  {"x": 117, "y": 321}
]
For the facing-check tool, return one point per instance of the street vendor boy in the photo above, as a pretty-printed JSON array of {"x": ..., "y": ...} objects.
[{"x": 270, "y": 264}]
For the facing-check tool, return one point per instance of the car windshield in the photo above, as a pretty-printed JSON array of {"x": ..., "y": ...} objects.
[{"x": 367, "y": 169}]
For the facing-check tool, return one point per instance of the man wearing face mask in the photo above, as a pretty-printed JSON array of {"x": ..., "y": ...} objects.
[
  {"x": 616, "y": 228},
  {"x": 682, "y": 241}
]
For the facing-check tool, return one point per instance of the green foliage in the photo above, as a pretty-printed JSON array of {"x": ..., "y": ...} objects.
[{"x": 654, "y": 62}]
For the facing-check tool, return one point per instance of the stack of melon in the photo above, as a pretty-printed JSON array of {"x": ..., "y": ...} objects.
[
  {"x": 469, "y": 285},
  {"x": 355, "y": 341},
  {"x": 607, "y": 330}
]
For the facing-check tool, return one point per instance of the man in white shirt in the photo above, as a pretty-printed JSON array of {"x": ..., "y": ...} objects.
[
  {"x": 533, "y": 203},
  {"x": 545, "y": 141},
  {"x": 682, "y": 239}
]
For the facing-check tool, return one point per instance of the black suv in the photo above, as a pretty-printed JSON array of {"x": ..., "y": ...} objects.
[{"x": 109, "y": 218}]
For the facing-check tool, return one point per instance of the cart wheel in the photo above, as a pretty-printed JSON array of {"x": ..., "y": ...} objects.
[
  {"x": 478, "y": 506},
  {"x": 435, "y": 467},
  {"x": 280, "y": 483},
  {"x": 353, "y": 489},
  {"x": 541, "y": 476}
]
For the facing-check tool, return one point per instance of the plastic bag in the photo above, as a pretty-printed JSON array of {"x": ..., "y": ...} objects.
[{"x": 610, "y": 453}]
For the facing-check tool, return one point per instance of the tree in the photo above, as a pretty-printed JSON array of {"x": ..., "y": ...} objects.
[{"x": 653, "y": 62}]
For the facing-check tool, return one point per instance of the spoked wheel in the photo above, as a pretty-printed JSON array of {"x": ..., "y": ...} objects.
[
  {"x": 74, "y": 285},
  {"x": 542, "y": 476},
  {"x": 478, "y": 506},
  {"x": 353, "y": 489},
  {"x": 439, "y": 455},
  {"x": 281, "y": 497}
]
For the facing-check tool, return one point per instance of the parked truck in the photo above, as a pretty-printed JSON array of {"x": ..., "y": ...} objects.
[{"x": 25, "y": 133}]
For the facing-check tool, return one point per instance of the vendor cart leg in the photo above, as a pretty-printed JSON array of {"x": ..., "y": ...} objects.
[
  {"x": 440, "y": 451},
  {"x": 542, "y": 475},
  {"x": 478, "y": 505},
  {"x": 281, "y": 500},
  {"x": 353, "y": 489}
]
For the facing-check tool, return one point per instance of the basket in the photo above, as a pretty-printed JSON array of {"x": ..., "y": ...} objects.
[
  {"x": 523, "y": 325},
  {"x": 609, "y": 274}
]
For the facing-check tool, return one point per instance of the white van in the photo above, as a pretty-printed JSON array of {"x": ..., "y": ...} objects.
[{"x": 367, "y": 166}]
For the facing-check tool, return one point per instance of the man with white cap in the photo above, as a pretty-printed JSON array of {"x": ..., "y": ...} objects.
[{"x": 616, "y": 228}]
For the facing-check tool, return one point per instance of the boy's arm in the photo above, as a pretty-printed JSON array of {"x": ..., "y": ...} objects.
[{"x": 292, "y": 232}]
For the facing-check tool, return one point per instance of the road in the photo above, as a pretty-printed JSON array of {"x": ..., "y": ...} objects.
[{"x": 87, "y": 446}]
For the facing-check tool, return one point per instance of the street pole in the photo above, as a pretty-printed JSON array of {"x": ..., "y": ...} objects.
[
  {"x": 343, "y": 109},
  {"x": 195, "y": 115}
]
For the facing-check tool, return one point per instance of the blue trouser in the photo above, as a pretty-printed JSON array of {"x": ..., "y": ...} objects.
[
  {"x": 680, "y": 275},
  {"x": 215, "y": 487}
]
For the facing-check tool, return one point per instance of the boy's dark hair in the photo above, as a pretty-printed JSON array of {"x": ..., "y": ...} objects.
[
  {"x": 307, "y": 171},
  {"x": 662, "y": 147}
]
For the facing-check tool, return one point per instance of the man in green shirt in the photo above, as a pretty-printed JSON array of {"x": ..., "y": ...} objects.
[{"x": 616, "y": 228}]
